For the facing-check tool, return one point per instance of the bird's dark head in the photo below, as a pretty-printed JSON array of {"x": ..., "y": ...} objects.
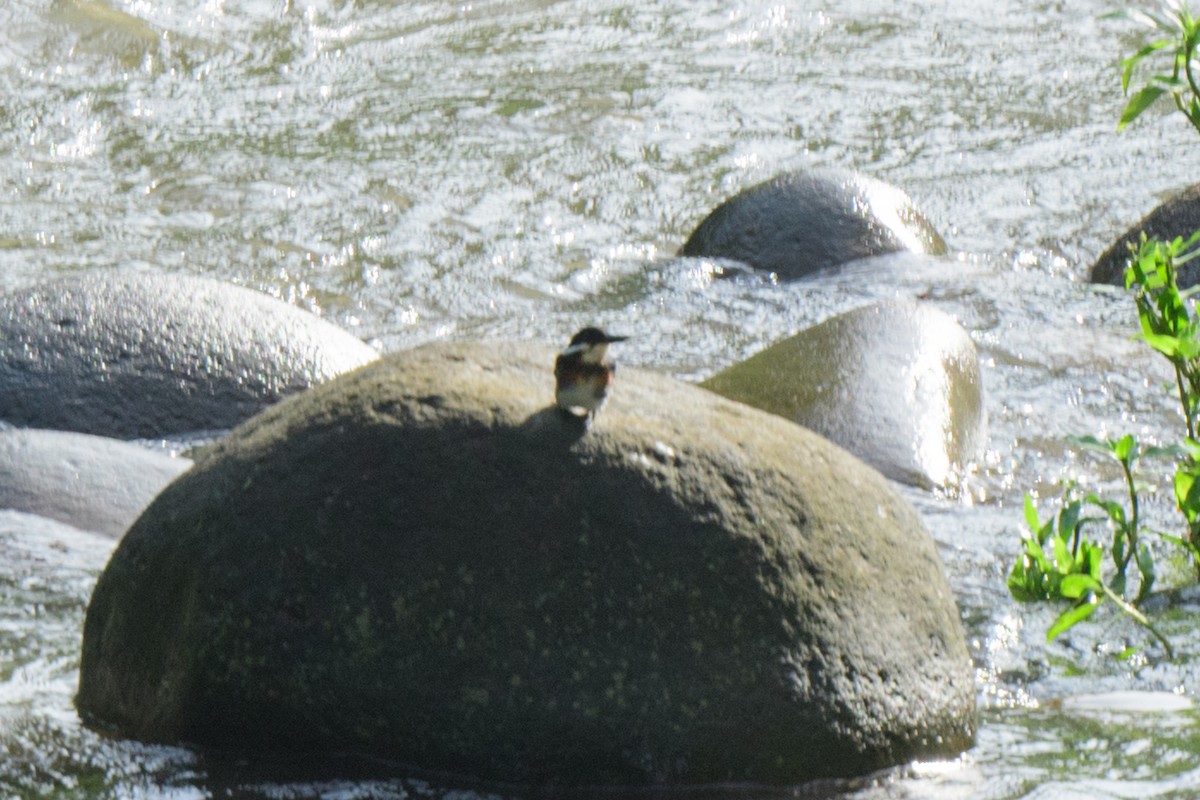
[
  {"x": 591, "y": 336},
  {"x": 591, "y": 344}
]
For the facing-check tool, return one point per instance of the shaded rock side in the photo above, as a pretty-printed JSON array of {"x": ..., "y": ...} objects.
[
  {"x": 802, "y": 222},
  {"x": 1179, "y": 216},
  {"x": 136, "y": 355},
  {"x": 90, "y": 482},
  {"x": 426, "y": 561},
  {"x": 895, "y": 383}
]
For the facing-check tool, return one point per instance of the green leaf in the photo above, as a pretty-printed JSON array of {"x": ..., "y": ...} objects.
[
  {"x": 1024, "y": 587},
  {"x": 1018, "y": 580},
  {"x": 1167, "y": 345},
  {"x": 1068, "y": 518},
  {"x": 1168, "y": 83},
  {"x": 1130, "y": 63},
  {"x": 1091, "y": 444},
  {"x": 1114, "y": 510},
  {"x": 1071, "y": 616},
  {"x": 1062, "y": 554},
  {"x": 1163, "y": 451},
  {"x": 1148, "y": 49},
  {"x": 1141, "y": 17},
  {"x": 1187, "y": 491},
  {"x": 1093, "y": 558},
  {"x": 1145, "y": 562},
  {"x": 1031, "y": 516},
  {"x": 1125, "y": 448},
  {"x": 1184, "y": 543},
  {"x": 1037, "y": 555},
  {"x": 1076, "y": 586},
  {"x": 1127, "y": 653},
  {"x": 1137, "y": 104},
  {"x": 1189, "y": 250},
  {"x": 1189, "y": 347}
]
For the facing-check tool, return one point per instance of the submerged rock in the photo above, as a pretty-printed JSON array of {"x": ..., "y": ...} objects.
[
  {"x": 1178, "y": 217},
  {"x": 425, "y": 560},
  {"x": 89, "y": 482},
  {"x": 138, "y": 355},
  {"x": 895, "y": 383},
  {"x": 802, "y": 222}
]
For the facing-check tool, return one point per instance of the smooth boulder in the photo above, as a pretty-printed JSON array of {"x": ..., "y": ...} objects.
[
  {"x": 89, "y": 482},
  {"x": 896, "y": 383},
  {"x": 1178, "y": 217},
  {"x": 426, "y": 561},
  {"x": 802, "y": 222},
  {"x": 129, "y": 354}
]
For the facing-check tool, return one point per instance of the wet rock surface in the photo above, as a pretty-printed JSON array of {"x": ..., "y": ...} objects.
[
  {"x": 90, "y": 482},
  {"x": 425, "y": 560},
  {"x": 803, "y": 222},
  {"x": 141, "y": 355},
  {"x": 896, "y": 383},
  {"x": 1178, "y": 217}
]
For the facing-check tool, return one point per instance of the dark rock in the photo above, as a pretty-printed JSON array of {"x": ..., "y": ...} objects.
[
  {"x": 803, "y": 222},
  {"x": 90, "y": 482},
  {"x": 895, "y": 383},
  {"x": 137, "y": 355},
  {"x": 425, "y": 560},
  {"x": 1178, "y": 217}
]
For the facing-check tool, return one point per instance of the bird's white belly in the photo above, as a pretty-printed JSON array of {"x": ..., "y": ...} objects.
[{"x": 581, "y": 397}]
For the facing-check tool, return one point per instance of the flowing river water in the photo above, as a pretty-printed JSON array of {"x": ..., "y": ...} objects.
[{"x": 423, "y": 170}]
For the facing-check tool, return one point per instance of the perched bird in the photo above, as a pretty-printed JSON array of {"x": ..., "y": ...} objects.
[{"x": 583, "y": 373}]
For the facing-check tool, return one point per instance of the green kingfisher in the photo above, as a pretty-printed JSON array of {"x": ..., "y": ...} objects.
[{"x": 583, "y": 373}]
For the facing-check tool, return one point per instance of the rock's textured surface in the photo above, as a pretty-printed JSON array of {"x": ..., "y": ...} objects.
[
  {"x": 803, "y": 222},
  {"x": 895, "y": 383},
  {"x": 1179, "y": 216},
  {"x": 90, "y": 482},
  {"x": 425, "y": 560},
  {"x": 129, "y": 354}
]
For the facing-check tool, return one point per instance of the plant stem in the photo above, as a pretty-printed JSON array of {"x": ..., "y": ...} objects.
[
  {"x": 1131, "y": 532},
  {"x": 1185, "y": 402},
  {"x": 1140, "y": 618},
  {"x": 1189, "y": 54}
]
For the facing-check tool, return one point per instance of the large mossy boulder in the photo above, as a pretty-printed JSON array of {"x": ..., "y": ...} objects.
[
  {"x": 1178, "y": 217},
  {"x": 425, "y": 560},
  {"x": 896, "y": 383},
  {"x": 802, "y": 222},
  {"x": 129, "y": 354},
  {"x": 91, "y": 482}
]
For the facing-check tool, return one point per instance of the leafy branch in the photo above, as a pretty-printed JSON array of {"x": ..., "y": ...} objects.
[
  {"x": 1056, "y": 562},
  {"x": 1182, "y": 39}
]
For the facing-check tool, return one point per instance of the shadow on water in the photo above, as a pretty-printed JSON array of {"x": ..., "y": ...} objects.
[{"x": 313, "y": 775}]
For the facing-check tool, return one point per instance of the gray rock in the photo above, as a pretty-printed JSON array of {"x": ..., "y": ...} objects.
[
  {"x": 425, "y": 560},
  {"x": 89, "y": 482},
  {"x": 802, "y": 222},
  {"x": 1179, "y": 216},
  {"x": 137, "y": 355},
  {"x": 895, "y": 383}
]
